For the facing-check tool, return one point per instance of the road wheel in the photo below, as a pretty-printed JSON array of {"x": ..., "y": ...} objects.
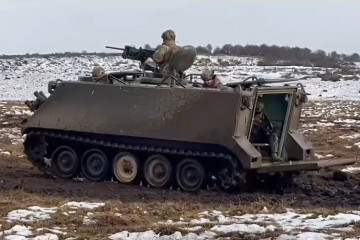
[
  {"x": 190, "y": 175},
  {"x": 126, "y": 168},
  {"x": 65, "y": 162},
  {"x": 158, "y": 171},
  {"x": 95, "y": 165}
]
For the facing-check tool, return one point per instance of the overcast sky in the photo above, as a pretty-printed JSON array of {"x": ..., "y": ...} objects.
[{"x": 47, "y": 26}]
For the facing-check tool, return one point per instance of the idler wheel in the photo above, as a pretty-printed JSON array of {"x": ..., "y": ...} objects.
[
  {"x": 126, "y": 168},
  {"x": 95, "y": 165},
  {"x": 190, "y": 175},
  {"x": 158, "y": 171},
  {"x": 65, "y": 162}
]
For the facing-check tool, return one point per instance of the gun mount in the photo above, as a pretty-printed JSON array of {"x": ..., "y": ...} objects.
[{"x": 182, "y": 60}]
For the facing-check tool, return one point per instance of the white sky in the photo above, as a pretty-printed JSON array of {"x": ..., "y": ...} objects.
[{"x": 47, "y": 26}]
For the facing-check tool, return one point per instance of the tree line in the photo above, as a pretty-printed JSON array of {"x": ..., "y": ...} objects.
[
  {"x": 271, "y": 55},
  {"x": 277, "y": 55}
]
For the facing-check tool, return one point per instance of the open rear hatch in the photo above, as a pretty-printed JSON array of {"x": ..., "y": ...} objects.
[{"x": 297, "y": 153}]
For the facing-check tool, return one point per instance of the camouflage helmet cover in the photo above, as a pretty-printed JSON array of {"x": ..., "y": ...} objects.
[
  {"x": 168, "y": 35},
  {"x": 98, "y": 71},
  {"x": 207, "y": 74}
]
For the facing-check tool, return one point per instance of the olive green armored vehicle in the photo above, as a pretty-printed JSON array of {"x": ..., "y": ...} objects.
[{"x": 166, "y": 130}]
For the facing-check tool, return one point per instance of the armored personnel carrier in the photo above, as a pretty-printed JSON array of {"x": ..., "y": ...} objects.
[{"x": 166, "y": 130}]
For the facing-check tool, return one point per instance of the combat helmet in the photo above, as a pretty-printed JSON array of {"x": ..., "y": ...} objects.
[
  {"x": 168, "y": 35},
  {"x": 207, "y": 74},
  {"x": 98, "y": 71}
]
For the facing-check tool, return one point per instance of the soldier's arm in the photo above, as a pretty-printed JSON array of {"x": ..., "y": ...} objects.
[
  {"x": 160, "y": 54},
  {"x": 269, "y": 125}
]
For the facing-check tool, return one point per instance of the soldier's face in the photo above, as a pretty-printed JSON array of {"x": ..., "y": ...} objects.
[{"x": 259, "y": 108}]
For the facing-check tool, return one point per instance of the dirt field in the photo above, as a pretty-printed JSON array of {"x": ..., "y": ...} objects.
[{"x": 333, "y": 127}]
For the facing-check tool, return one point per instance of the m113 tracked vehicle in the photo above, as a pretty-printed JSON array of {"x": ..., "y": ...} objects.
[{"x": 166, "y": 130}]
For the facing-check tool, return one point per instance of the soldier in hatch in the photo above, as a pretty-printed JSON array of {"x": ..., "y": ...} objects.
[
  {"x": 210, "y": 79},
  {"x": 98, "y": 72},
  {"x": 262, "y": 131},
  {"x": 164, "y": 53}
]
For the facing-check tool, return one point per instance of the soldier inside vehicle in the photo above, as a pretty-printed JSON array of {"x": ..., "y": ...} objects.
[{"x": 268, "y": 123}]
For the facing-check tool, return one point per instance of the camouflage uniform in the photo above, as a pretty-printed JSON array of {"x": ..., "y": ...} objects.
[
  {"x": 210, "y": 79},
  {"x": 262, "y": 131},
  {"x": 163, "y": 54}
]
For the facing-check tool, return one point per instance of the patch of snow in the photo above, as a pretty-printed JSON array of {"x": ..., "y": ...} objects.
[
  {"x": 345, "y": 121},
  {"x": 193, "y": 229},
  {"x": 264, "y": 210},
  {"x": 241, "y": 228},
  {"x": 83, "y": 205},
  {"x": 351, "y": 169},
  {"x": 286, "y": 237},
  {"x": 318, "y": 156},
  {"x": 200, "y": 221},
  {"x": 135, "y": 235},
  {"x": 150, "y": 235},
  {"x": 46, "y": 236},
  {"x": 15, "y": 237},
  {"x": 312, "y": 236},
  {"x": 356, "y": 135},
  {"x": 55, "y": 230},
  {"x": 324, "y": 124},
  {"x": 290, "y": 220},
  {"x": 204, "y": 213},
  {"x": 304, "y": 236},
  {"x": 34, "y": 213},
  {"x": 19, "y": 230},
  {"x": 88, "y": 221}
]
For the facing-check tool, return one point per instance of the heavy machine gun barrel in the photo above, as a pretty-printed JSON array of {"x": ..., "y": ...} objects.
[
  {"x": 133, "y": 53},
  {"x": 116, "y": 48},
  {"x": 137, "y": 54}
]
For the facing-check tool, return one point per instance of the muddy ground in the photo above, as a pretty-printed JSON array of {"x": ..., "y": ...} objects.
[{"x": 333, "y": 127}]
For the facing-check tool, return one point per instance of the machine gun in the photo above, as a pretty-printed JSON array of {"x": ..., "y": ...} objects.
[{"x": 137, "y": 54}]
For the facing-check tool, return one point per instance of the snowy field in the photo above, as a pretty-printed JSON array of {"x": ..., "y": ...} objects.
[
  {"x": 208, "y": 225},
  {"x": 21, "y": 77}
]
